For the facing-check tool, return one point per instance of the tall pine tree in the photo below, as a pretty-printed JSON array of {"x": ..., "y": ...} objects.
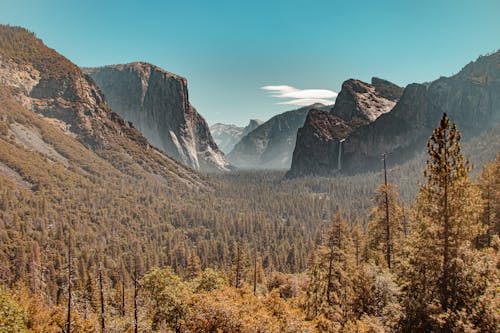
[{"x": 448, "y": 208}]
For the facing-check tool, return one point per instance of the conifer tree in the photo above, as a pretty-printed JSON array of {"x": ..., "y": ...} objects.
[
  {"x": 358, "y": 243},
  {"x": 330, "y": 288},
  {"x": 489, "y": 184},
  {"x": 385, "y": 228},
  {"x": 448, "y": 208}
]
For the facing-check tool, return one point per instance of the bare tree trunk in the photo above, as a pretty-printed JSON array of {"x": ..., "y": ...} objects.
[
  {"x": 68, "y": 317},
  {"x": 330, "y": 273},
  {"x": 388, "y": 226},
  {"x": 446, "y": 249},
  {"x": 123, "y": 292},
  {"x": 135, "y": 302},
  {"x": 101, "y": 293},
  {"x": 405, "y": 225},
  {"x": 237, "y": 277},
  {"x": 255, "y": 272}
]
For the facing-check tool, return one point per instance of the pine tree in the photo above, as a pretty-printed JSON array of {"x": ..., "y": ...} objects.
[
  {"x": 447, "y": 208},
  {"x": 193, "y": 264},
  {"x": 330, "y": 288},
  {"x": 358, "y": 239},
  {"x": 488, "y": 184},
  {"x": 385, "y": 228}
]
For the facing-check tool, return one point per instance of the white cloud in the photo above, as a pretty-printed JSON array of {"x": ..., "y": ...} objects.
[
  {"x": 307, "y": 101},
  {"x": 301, "y": 97}
]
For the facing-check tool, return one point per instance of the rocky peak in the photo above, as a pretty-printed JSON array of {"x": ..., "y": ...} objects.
[
  {"x": 387, "y": 89},
  {"x": 157, "y": 103},
  {"x": 361, "y": 103},
  {"x": 227, "y": 135},
  {"x": 252, "y": 124}
]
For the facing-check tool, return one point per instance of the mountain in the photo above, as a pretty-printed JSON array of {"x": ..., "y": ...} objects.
[
  {"x": 157, "y": 103},
  {"x": 57, "y": 118},
  {"x": 227, "y": 135},
  {"x": 471, "y": 98},
  {"x": 270, "y": 145},
  {"x": 320, "y": 139}
]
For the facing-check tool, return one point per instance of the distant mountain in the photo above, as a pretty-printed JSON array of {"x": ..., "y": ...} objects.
[
  {"x": 227, "y": 136},
  {"x": 56, "y": 118},
  {"x": 157, "y": 103},
  {"x": 270, "y": 146},
  {"x": 471, "y": 99}
]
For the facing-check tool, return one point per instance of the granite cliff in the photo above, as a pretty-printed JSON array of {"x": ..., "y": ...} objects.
[
  {"x": 157, "y": 103},
  {"x": 320, "y": 139},
  {"x": 471, "y": 98}
]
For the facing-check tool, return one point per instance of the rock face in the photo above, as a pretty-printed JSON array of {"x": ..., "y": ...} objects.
[
  {"x": 321, "y": 138},
  {"x": 157, "y": 103},
  {"x": 361, "y": 103},
  {"x": 227, "y": 136},
  {"x": 471, "y": 99},
  {"x": 37, "y": 78},
  {"x": 270, "y": 146}
]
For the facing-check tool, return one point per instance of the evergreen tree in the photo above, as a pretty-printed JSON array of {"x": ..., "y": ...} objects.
[
  {"x": 329, "y": 291},
  {"x": 385, "y": 233},
  {"x": 448, "y": 208},
  {"x": 489, "y": 185}
]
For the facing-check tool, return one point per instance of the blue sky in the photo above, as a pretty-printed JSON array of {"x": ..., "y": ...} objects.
[{"x": 229, "y": 50}]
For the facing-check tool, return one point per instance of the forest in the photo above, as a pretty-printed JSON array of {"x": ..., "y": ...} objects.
[{"x": 414, "y": 251}]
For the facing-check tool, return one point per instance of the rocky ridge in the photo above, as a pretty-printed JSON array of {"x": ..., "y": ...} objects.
[
  {"x": 471, "y": 98},
  {"x": 227, "y": 135}
]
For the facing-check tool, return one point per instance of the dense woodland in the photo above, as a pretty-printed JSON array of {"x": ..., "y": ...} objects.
[{"x": 85, "y": 250}]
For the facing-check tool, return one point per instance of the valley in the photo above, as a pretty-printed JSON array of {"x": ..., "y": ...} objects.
[{"x": 120, "y": 213}]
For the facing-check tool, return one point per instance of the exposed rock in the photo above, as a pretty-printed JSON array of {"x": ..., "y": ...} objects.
[
  {"x": 471, "y": 99},
  {"x": 227, "y": 136},
  {"x": 319, "y": 141},
  {"x": 361, "y": 103},
  {"x": 157, "y": 103},
  {"x": 270, "y": 146},
  {"x": 48, "y": 84}
]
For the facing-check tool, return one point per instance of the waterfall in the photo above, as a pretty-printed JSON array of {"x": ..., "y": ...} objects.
[{"x": 340, "y": 154}]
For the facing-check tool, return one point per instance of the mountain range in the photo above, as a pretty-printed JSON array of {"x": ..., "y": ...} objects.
[
  {"x": 270, "y": 146},
  {"x": 334, "y": 142},
  {"x": 137, "y": 116},
  {"x": 228, "y": 135}
]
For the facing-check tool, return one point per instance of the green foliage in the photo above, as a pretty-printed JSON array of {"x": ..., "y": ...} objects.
[
  {"x": 167, "y": 296},
  {"x": 112, "y": 201},
  {"x": 209, "y": 280},
  {"x": 12, "y": 315}
]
